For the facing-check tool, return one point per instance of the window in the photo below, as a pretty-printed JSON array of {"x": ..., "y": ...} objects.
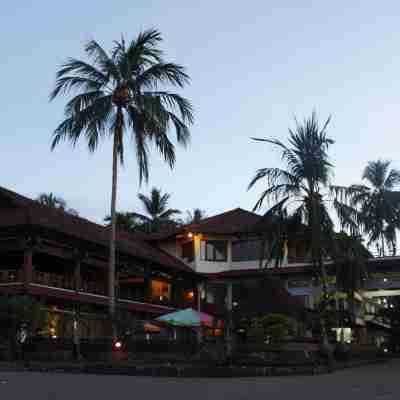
[
  {"x": 188, "y": 251},
  {"x": 246, "y": 250},
  {"x": 160, "y": 291},
  {"x": 214, "y": 250}
]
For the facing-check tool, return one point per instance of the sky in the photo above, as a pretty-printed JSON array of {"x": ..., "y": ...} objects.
[{"x": 254, "y": 66}]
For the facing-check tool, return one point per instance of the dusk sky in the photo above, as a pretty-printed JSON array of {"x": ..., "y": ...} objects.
[{"x": 253, "y": 67}]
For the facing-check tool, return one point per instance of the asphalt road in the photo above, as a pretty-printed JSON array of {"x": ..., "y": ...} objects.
[{"x": 380, "y": 382}]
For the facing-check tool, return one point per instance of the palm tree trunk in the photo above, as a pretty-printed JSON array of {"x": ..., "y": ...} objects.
[{"x": 111, "y": 268}]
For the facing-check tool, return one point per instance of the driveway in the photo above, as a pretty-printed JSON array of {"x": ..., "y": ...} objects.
[{"x": 372, "y": 382}]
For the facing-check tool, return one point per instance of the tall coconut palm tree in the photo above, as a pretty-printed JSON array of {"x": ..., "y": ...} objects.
[
  {"x": 119, "y": 95},
  {"x": 300, "y": 186},
  {"x": 195, "y": 216},
  {"x": 157, "y": 214},
  {"x": 50, "y": 200},
  {"x": 375, "y": 208}
]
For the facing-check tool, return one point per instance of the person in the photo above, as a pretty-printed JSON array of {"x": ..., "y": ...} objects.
[{"x": 21, "y": 339}]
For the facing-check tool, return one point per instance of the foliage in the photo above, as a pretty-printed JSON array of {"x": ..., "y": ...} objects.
[
  {"x": 195, "y": 216},
  {"x": 158, "y": 216},
  {"x": 270, "y": 329},
  {"x": 15, "y": 310},
  {"x": 50, "y": 200},
  {"x": 126, "y": 221},
  {"x": 374, "y": 208},
  {"x": 119, "y": 92},
  {"x": 300, "y": 185}
]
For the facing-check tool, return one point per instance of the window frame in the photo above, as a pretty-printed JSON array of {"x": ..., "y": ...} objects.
[{"x": 213, "y": 258}]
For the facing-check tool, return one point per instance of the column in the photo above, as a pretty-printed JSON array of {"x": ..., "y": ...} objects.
[
  {"x": 199, "y": 289},
  {"x": 147, "y": 287},
  {"x": 229, "y": 319},
  {"x": 77, "y": 275},
  {"x": 28, "y": 265}
]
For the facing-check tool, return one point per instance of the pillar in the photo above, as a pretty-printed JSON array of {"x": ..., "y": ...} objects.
[
  {"x": 229, "y": 319},
  {"x": 28, "y": 265},
  {"x": 77, "y": 276},
  {"x": 199, "y": 289},
  {"x": 147, "y": 287}
]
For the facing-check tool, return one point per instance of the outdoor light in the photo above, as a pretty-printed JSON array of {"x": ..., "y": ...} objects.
[
  {"x": 385, "y": 350},
  {"x": 384, "y": 279},
  {"x": 118, "y": 345},
  {"x": 190, "y": 235}
]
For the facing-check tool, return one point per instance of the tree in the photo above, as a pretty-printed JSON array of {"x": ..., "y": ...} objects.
[
  {"x": 50, "y": 200},
  {"x": 300, "y": 186},
  {"x": 158, "y": 215},
  {"x": 350, "y": 260},
  {"x": 376, "y": 208},
  {"x": 195, "y": 216},
  {"x": 17, "y": 310},
  {"x": 125, "y": 221},
  {"x": 117, "y": 94}
]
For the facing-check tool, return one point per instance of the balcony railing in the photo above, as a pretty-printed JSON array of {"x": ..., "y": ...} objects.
[
  {"x": 66, "y": 281},
  {"x": 11, "y": 276}
]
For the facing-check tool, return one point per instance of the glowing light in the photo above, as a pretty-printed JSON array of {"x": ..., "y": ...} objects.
[
  {"x": 190, "y": 295},
  {"x": 385, "y": 350},
  {"x": 54, "y": 337},
  {"x": 117, "y": 345},
  {"x": 190, "y": 235},
  {"x": 385, "y": 280}
]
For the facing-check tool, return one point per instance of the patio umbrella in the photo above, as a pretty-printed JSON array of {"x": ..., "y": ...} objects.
[{"x": 188, "y": 318}]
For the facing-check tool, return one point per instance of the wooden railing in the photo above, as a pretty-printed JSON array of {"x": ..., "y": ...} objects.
[
  {"x": 66, "y": 281},
  {"x": 11, "y": 276}
]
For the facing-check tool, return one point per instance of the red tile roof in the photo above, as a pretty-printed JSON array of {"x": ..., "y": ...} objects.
[
  {"x": 231, "y": 222},
  {"x": 19, "y": 210}
]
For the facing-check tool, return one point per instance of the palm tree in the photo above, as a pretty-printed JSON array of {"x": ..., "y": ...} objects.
[
  {"x": 350, "y": 260},
  {"x": 376, "y": 208},
  {"x": 195, "y": 216},
  {"x": 119, "y": 94},
  {"x": 50, "y": 200},
  {"x": 300, "y": 186},
  {"x": 125, "y": 221},
  {"x": 158, "y": 215}
]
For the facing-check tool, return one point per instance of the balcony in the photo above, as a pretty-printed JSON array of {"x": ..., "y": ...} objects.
[
  {"x": 11, "y": 276},
  {"x": 66, "y": 281}
]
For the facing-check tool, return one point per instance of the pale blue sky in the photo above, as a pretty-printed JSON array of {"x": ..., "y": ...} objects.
[{"x": 254, "y": 65}]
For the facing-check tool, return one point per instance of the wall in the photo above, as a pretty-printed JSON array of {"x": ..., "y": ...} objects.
[{"x": 173, "y": 247}]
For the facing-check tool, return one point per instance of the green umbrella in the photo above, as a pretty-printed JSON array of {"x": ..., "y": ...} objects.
[{"x": 187, "y": 317}]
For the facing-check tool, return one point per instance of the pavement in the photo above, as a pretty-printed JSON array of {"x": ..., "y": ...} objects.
[{"x": 381, "y": 382}]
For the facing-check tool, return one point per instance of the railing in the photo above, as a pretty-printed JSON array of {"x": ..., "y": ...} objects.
[
  {"x": 66, "y": 281},
  {"x": 11, "y": 276},
  {"x": 299, "y": 259}
]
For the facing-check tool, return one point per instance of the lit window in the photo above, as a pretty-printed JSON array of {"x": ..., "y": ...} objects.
[{"x": 160, "y": 291}]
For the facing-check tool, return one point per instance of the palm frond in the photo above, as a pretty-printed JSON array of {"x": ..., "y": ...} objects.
[
  {"x": 163, "y": 73},
  {"x": 102, "y": 59}
]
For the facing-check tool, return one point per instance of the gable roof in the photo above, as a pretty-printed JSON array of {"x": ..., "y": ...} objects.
[
  {"x": 19, "y": 210},
  {"x": 230, "y": 222}
]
